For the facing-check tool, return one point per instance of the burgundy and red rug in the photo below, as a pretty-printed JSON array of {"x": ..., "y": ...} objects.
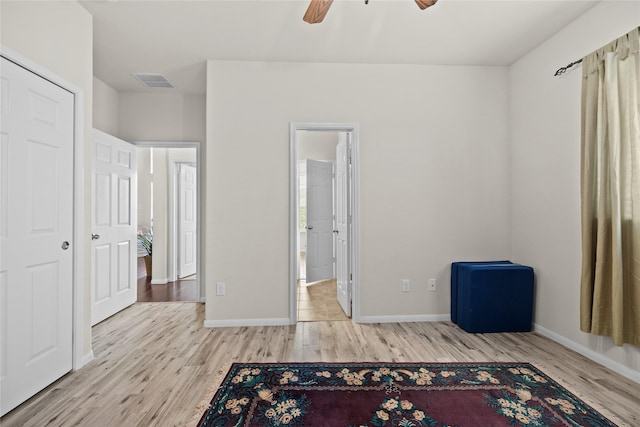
[{"x": 394, "y": 394}]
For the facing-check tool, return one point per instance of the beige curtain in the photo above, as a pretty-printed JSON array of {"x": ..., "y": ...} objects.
[{"x": 610, "y": 184}]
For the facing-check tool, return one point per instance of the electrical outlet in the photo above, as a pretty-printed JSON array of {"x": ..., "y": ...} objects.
[
  {"x": 406, "y": 285},
  {"x": 432, "y": 285},
  {"x": 221, "y": 288}
]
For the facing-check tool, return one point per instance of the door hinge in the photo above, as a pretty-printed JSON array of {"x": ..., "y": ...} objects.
[
  {"x": 349, "y": 155},
  {"x": 350, "y": 276}
]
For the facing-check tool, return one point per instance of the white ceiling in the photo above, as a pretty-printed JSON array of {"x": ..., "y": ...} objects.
[{"x": 175, "y": 38}]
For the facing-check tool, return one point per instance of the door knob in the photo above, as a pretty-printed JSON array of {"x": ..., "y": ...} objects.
[
  {"x": 309, "y": 227},
  {"x": 95, "y": 236},
  {"x": 65, "y": 245},
  {"x": 336, "y": 231}
]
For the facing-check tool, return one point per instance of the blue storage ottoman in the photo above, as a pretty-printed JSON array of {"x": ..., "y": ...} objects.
[
  {"x": 495, "y": 298},
  {"x": 454, "y": 282}
]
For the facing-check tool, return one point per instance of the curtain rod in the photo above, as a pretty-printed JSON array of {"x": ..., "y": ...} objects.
[{"x": 562, "y": 70}]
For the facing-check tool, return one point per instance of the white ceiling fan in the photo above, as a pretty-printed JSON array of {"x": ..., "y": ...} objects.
[{"x": 318, "y": 9}]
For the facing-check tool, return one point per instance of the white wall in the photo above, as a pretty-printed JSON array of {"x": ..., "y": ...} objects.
[
  {"x": 105, "y": 108},
  {"x": 58, "y": 35},
  {"x": 316, "y": 145},
  {"x": 159, "y": 269},
  {"x": 163, "y": 116},
  {"x": 434, "y": 177},
  {"x": 144, "y": 186},
  {"x": 545, "y": 174}
]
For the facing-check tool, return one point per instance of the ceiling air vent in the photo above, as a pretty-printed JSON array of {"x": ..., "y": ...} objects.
[{"x": 153, "y": 80}]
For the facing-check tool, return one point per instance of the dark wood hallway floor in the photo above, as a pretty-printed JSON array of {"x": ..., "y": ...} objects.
[{"x": 183, "y": 290}]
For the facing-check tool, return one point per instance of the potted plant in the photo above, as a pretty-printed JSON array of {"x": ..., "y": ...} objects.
[{"x": 145, "y": 239}]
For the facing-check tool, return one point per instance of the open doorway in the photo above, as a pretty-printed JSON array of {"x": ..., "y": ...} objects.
[
  {"x": 168, "y": 213},
  {"x": 323, "y": 222},
  {"x": 317, "y": 286}
]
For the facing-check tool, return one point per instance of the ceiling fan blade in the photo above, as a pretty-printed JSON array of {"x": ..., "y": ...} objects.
[
  {"x": 423, "y": 4},
  {"x": 316, "y": 11}
]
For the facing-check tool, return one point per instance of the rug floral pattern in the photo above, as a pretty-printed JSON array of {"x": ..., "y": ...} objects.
[{"x": 394, "y": 395}]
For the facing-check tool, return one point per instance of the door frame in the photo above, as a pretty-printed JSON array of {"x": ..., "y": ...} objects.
[
  {"x": 79, "y": 358},
  {"x": 354, "y": 247},
  {"x": 200, "y": 292}
]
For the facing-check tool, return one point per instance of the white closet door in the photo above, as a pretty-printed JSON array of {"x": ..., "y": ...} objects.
[{"x": 36, "y": 224}]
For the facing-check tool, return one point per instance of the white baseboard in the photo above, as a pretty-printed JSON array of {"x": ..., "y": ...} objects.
[
  {"x": 159, "y": 281},
  {"x": 405, "y": 318},
  {"x": 277, "y": 321},
  {"x": 586, "y": 352},
  {"x": 203, "y": 299},
  {"x": 85, "y": 359}
]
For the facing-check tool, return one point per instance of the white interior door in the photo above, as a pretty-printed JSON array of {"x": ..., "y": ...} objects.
[
  {"x": 343, "y": 281},
  {"x": 319, "y": 220},
  {"x": 114, "y": 239},
  {"x": 36, "y": 225},
  {"x": 187, "y": 220}
]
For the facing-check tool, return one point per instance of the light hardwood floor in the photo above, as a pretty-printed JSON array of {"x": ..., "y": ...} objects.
[{"x": 154, "y": 363}]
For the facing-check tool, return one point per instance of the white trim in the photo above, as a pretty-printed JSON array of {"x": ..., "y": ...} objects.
[
  {"x": 172, "y": 241},
  {"x": 355, "y": 218},
  {"x": 276, "y": 321},
  {"x": 409, "y": 318},
  {"x": 79, "y": 233},
  {"x": 294, "y": 184},
  {"x": 353, "y": 129},
  {"x": 593, "y": 355},
  {"x": 200, "y": 296},
  {"x": 86, "y": 359}
]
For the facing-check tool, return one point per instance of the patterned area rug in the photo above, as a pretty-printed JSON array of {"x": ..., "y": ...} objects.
[{"x": 395, "y": 394}]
